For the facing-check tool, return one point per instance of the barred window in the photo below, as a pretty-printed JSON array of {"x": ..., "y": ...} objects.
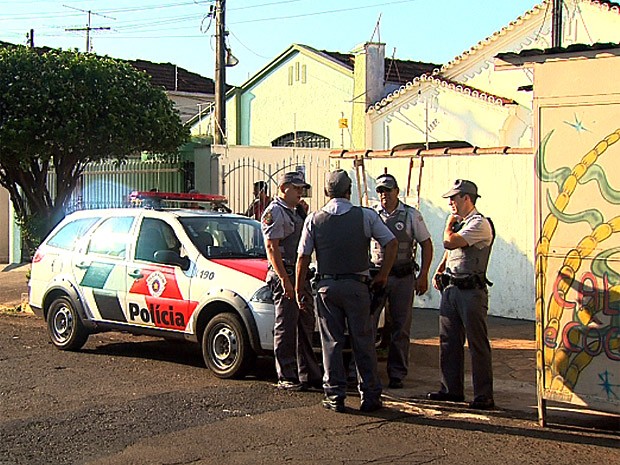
[{"x": 302, "y": 139}]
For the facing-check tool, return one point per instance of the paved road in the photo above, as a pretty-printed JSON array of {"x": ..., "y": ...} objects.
[
  {"x": 137, "y": 400},
  {"x": 13, "y": 285}
]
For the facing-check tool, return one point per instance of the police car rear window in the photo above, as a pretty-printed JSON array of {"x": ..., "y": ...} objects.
[
  {"x": 68, "y": 236},
  {"x": 111, "y": 237}
]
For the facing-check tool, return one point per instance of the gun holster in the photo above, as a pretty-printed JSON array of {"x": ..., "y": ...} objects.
[{"x": 442, "y": 280}]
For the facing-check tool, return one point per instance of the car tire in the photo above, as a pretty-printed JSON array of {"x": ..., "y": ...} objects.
[
  {"x": 226, "y": 346},
  {"x": 64, "y": 325}
]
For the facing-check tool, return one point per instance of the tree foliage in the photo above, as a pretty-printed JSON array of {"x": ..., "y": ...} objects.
[{"x": 64, "y": 109}]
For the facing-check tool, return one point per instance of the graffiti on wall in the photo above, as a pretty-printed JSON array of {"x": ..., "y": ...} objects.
[{"x": 578, "y": 258}]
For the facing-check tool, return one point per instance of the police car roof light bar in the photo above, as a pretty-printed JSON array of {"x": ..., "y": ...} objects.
[{"x": 178, "y": 196}]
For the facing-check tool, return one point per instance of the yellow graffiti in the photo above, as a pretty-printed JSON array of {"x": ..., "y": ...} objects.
[{"x": 561, "y": 367}]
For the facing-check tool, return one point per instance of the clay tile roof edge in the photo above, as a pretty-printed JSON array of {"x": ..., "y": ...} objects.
[
  {"x": 439, "y": 82},
  {"x": 527, "y": 16}
]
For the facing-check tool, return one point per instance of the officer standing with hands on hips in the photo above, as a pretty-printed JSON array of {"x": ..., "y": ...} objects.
[
  {"x": 407, "y": 224},
  {"x": 340, "y": 234},
  {"x": 281, "y": 224},
  {"x": 461, "y": 278}
]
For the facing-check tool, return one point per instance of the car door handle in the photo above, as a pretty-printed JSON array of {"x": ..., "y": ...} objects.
[
  {"x": 82, "y": 265},
  {"x": 136, "y": 274}
]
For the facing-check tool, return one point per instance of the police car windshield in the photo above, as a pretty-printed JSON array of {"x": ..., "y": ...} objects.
[{"x": 225, "y": 237}]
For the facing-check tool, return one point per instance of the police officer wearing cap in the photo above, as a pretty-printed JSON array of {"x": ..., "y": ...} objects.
[
  {"x": 407, "y": 224},
  {"x": 281, "y": 223},
  {"x": 461, "y": 277},
  {"x": 340, "y": 234}
]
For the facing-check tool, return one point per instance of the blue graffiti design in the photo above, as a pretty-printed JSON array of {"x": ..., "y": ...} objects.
[
  {"x": 608, "y": 387},
  {"x": 577, "y": 125}
]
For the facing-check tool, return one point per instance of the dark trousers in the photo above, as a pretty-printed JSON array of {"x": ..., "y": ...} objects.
[
  {"x": 463, "y": 313},
  {"x": 341, "y": 305},
  {"x": 292, "y": 336},
  {"x": 400, "y": 307}
]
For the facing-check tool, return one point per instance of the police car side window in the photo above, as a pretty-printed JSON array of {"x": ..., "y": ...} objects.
[
  {"x": 111, "y": 237},
  {"x": 68, "y": 236},
  {"x": 155, "y": 235}
]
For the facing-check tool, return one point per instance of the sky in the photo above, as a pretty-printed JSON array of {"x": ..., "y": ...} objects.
[{"x": 181, "y": 31}]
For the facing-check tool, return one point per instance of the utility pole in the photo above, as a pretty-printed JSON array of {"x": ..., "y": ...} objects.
[
  {"x": 556, "y": 24},
  {"x": 220, "y": 72},
  {"x": 88, "y": 27},
  {"x": 30, "y": 38}
]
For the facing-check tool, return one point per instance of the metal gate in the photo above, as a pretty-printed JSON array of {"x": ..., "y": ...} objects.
[
  {"x": 238, "y": 177},
  {"x": 107, "y": 184}
]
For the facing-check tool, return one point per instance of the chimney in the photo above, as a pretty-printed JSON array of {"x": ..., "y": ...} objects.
[
  {"x": 369, "y": 71},
  {"x": 368, "y": 86}
]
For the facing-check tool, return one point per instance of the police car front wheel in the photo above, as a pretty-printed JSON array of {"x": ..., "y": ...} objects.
[
  {"x": 64, "y": 325},
  {"x": 226, "y": 346}
]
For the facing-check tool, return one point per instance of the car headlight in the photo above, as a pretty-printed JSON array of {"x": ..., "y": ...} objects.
[{"x": 263, "y": 295}]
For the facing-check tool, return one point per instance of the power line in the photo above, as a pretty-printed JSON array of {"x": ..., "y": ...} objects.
[
  {"x": 157, "y": 7},
  {"x": 324, "y": 12},
  {"x": 162, "y": 22},
  {"x": 247, "y": 48},
  {"x": 263, "y": 4}
]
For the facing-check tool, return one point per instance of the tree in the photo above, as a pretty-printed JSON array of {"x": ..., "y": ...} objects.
[{"x": 63, "y": 110}]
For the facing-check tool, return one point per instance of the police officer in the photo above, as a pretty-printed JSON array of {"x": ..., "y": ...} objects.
[
  {"x": 340, "y": 234},
  {"x": 461, "y": 277},
  {"x": 281, "y": 224},
  {"x": 407, "y": 224}
]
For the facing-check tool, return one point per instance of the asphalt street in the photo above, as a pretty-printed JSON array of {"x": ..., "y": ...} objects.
[{"x": 514, "y": 361}]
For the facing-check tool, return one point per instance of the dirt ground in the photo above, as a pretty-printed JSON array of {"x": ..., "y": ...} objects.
[
  {"x": 13, "y": 285},
  {"x": 128, "y": 399}
]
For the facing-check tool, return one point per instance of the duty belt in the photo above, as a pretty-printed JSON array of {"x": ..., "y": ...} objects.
[
  {"x": 466, "y": 282},
  {"x": 338, "y": 277}
]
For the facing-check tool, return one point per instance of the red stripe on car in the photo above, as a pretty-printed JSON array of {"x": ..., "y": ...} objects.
[{"x": 256, "y": 267}]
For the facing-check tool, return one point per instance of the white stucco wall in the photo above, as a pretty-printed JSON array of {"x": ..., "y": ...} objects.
[
  {"x": 274, "y": 106},
  {"x": 505, "y": 182},
  {"x": 589, "y": 23},
  {"x": 231, "y": 118},
  {"x": 452, "y": 115},
  {"x": 506, "y": 186}
]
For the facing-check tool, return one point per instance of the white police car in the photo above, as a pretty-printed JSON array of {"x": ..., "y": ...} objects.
[{"x": 185, "y": 273}]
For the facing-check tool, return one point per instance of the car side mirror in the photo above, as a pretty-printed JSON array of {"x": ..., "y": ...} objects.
[{"x": 170, "y": 257}]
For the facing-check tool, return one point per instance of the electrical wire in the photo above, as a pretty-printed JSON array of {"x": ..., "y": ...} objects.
[
  {"x": 324, "y": 12},
  {"x": 262, "y": 4},
  {"x": 583, "y": 21},
  {"x": 248, "y": 48},
  {"x": 542, "y": 25}
]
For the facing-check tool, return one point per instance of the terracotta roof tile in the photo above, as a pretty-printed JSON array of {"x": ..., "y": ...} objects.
[
  {"x": 440, "y": 82},
  {"x": 396, "y": 71},
  {"x": 166, "y": 75},
  {"x": 174, "y": 78},
  {"x": 607, "y": 5},
  {"x": 436, "y": 152},
  {"x": 535, "y": 11},
  {"x": 574, "y": 48}
]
